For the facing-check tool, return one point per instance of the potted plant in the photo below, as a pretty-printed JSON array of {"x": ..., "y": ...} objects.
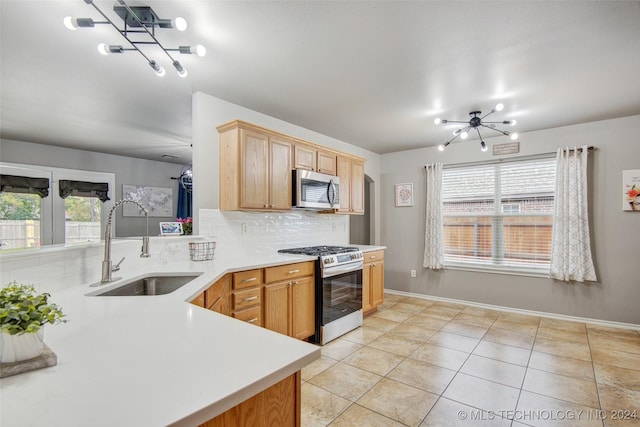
[
  {"x": 187, "y": 225},
  {"x": 23, "y": 314}
]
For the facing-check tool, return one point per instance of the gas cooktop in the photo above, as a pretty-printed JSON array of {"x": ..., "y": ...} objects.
[{"x": 319, "y": 250}]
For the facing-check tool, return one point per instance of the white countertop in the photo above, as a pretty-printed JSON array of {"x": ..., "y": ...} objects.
[{"x": 152, "y": 360}]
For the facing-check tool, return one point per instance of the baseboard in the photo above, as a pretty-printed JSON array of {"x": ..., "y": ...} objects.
[{"x": 519, "y": 311}]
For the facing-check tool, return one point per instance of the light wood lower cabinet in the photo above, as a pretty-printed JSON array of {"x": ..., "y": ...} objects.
[
  {"x": 217, "y": 297},
  {"x": 278, "y": 405},
  {"x": 372, "y": 281},
  {"x": 246, "y": 299},
  {"x": 289, "y": 299}
]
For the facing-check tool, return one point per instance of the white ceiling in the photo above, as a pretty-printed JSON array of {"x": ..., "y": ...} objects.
[{"x": 373, "y": 74}]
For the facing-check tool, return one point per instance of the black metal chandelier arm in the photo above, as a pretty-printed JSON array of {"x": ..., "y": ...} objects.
[
  {"x": 120, "y": 31},
  {"x": 479, "y": 136},
  {"x": 146, "y": 29},
  {"x": 488, "y": 114},
  {"x": 497, "y": 130},
  {"x": 445, "y": 121}
]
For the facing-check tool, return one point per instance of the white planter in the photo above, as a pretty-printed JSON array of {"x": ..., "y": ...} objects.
[{"x": 15, "y": 348}]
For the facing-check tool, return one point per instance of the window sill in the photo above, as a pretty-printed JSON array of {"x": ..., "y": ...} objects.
[{"x": 544, "y": 273}]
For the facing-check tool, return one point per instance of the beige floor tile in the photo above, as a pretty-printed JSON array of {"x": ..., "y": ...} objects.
[
  {"x": 454, "y": 341},
  {"x": 408, "y": 306},
  {"x": 474, "y": 320},
  {"x": 481, "y": 312},
  {"x": 319, "y": 407},
  {"x": 574, "y": 350},
  {"x": 362, "y": 335},
  {"x": 440, "y": 356},
  {"x": 465, "y": 329},
  {"x": 447, "y": 413},
  {"x": 562, "y": 387},
  {"x": 395, "y": 344},
  {"x": 339, "y": 349},
  {"x": 413, "y": 332},
  {"x": 610, "y": 332},
  {"x": 398, "y": 401},
  {"x": 623, "y": 419},
  {"x": 422, "y": 302},
  {"x": 567, "y": 325},
  {"x": 494, "y": 370},
  {"x": 615, "y": 358},
  {"x": 373, "y": 360},
  {"x": 616, "y": 399},
  {"x": 504, "y": 353},
  {"x": 509, "y": 337},
  {"x": 358, "y": 416},
  {"x": 482, "y": 394},
  {"x": 614, "y": 343},
  {"x": 427, "y": 322},
  {"x": 519, "y": 318},
  {"x": 542, "y": 411},
  {"x": 563, "y": 335},
  {"x": 394, "y": 297},
  {"x": 422, "y": 375},
  {"x": 520, "y": 328},
  {"x": 619, "y": 388},
  {"x": 619, "y": 377},
  {"x": 379, "y": 324},
  {"x": 345, "y": 381},
  {"x": 392, "y": 314},
  {"x": 316, "y": 367},
  {"x": 567, "y": 366},
  {"x": 441, "y": 313}
]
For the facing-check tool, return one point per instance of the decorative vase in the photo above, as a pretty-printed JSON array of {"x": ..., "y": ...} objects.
[{"x": 18, "y": 347}]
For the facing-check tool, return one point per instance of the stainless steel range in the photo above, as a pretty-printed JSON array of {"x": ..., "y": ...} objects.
[{"x": 338, "y": 289}]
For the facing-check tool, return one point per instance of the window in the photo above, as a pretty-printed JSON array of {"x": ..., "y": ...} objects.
[{"x": 499, "y": 216}]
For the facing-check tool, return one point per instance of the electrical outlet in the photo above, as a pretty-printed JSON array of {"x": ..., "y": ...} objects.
[
  {"x": 413, "y": 273},
  {"x": 243, "y": 228}
]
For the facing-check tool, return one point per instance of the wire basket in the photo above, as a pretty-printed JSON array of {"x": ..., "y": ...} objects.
[{"x": 201, "y": 251}]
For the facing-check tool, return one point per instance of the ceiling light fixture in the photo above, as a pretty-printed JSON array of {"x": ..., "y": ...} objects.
[
  {"x": 476, "y": 123},
  {"x": 138, "y": 20}
]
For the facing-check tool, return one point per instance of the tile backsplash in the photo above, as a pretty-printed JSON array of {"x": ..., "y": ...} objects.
[{"x": 259, "y": 232}]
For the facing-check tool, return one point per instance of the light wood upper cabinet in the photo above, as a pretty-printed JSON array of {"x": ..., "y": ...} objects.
[
  {"x": 351, "y": 174},
  {"x": 280, "y": 177},
  {"x": 254, "y": 167},
  {"x": 304, "y": 157},
  {"x": 326, "y": 162}
]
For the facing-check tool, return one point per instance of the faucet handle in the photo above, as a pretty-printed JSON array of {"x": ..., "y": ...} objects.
[{"x": 117, "y": 266}]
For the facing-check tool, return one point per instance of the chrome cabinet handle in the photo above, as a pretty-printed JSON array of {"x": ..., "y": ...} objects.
[
  {"x": 372, "y": 257},
  {"x": 255, "y": 319},
  {"x": 251, "y": 279},
  {"x": 249, "y": 299},
  {"x": 294, "y": 271}
]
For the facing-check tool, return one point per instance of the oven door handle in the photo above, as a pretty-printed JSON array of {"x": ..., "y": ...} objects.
[{"x": 341, "y": 269}]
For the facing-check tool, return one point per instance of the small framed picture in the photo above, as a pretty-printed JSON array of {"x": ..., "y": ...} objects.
[
  {"x": 404, "y": 194},
  {"x": 170, "y": 228}
]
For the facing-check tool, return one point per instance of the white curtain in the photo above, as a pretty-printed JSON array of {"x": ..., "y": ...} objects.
[
  {"x": 571, "y": 247},
  {"x": 433, "y": 236}
]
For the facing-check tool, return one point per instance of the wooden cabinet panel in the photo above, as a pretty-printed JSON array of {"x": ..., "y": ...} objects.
[
  {"x": 372, "y": 256},
  {"x": 251, "y": 315},
  {"x": 199, "y": 300},
  {"x": 277, "y": 312},
  {"x": 303, "y": 308},
  {"x": 254, "y": 158},
  {"x": 217, "y": 297},
  {"x": 357, "y": 187},
  {"x": 377, "y": 284},
  {"x": 366, "y": 288},
  {"x": 288, "y": 271},
  {"x": 344, "y": 173},
  {"x": 246, "y": 279},
  {"x": 304, "y": 157},
  {"x": 326, "y": 162},
  {"x": 372, "y": 281},
  {"x": 280, "y": 178}
]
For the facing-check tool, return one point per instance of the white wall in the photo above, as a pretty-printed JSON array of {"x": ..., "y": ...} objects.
[
  {"x": 210, "y": 112},
  {"x": 615, "y": 234},
  {"x": 128, "y": 170}
]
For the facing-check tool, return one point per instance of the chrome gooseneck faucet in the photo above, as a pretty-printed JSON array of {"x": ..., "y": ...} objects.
[{"x": 107, "y": 268}]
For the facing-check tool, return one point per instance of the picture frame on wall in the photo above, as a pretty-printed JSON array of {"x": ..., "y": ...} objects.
[
  {"x": 404, "y": 194},
  {"x": 631, "y": 190}
]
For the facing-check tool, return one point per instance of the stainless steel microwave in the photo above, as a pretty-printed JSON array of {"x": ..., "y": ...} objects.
[{"x": 314, "y": 190}]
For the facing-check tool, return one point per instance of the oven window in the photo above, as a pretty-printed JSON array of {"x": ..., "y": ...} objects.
[{"x": 342, "y": 295}]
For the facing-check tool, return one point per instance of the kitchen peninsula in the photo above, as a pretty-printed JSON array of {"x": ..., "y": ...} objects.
[{"x": 156, "y": 360}]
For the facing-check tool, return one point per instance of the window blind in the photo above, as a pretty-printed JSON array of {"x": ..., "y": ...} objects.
[{"x": 499, "y": 215}]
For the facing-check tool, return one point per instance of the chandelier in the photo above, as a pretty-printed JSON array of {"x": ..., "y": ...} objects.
[
  {"x": 140, "y": 23},
  {"x": 476, "y": 122}
]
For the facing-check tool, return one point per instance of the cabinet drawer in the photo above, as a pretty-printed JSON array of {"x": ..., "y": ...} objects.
[
  {"x": 246, "y": 279},
  {"x": 373, "y": 256},
  {"x": 244, "y": 299},
  {"x": 250, "y": 315},
  {"x": 289, "y": 271}
]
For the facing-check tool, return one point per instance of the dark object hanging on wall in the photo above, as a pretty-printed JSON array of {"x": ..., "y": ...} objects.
[
  {"x": 84, "y": 189},
  {"x": 24, "y": 184}
]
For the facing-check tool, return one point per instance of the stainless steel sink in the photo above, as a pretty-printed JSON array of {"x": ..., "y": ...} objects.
[{"x": 155, "y": 284}]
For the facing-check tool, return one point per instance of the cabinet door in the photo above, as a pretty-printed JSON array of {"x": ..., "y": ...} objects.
[
  {"x": 280, "y": 173},
  {"x": 326, "y": 162},
  {"x": 377, "y": 284},
  {"x": 276, "y": 307},
  {"x": 366, "y": 288},
  {"x": 357, "y": 187},
  {"x": 218, "y": 296},
  {"x": 305, "y": 157},
  {"x": 344, "y": 173},
  {"x": 254, "y": 165},
  {"x": 303, "y": 308}
]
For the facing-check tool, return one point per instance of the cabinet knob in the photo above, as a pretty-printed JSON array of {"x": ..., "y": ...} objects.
[{"x": 295, "y": 283}]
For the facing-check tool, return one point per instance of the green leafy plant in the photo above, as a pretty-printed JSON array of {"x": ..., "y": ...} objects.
[{"x": 22, "y": 310}]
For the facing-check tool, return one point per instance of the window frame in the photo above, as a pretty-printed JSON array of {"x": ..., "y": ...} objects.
[{"x": 497, "y": 219}]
